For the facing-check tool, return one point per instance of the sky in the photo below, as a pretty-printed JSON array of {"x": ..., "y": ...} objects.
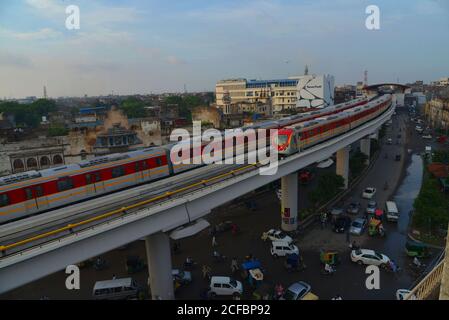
[{"x": 151, "y": 46}]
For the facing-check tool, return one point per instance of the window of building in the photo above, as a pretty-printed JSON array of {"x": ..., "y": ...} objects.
[
  {"x": 45, "y": 161},
  {"x": 57, "y": 159},
  {"x": 4, "y": 200},
  {"x": 118, "y": 172},
  {"x": 18, "y": 165},
  {"x": 31, "y": 163},
  {"x": 65, "y": 184}
]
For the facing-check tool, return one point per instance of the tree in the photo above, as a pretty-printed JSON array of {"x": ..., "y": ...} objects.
[
  {"x": 357, "y": 163},
  {"x": 133, "y": 108},
  {"x": 329, "y": 185},
  {"x": 42, "y": 107}
]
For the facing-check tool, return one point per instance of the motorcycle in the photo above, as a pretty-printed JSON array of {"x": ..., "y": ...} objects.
[{"x": 329, "y": 272}]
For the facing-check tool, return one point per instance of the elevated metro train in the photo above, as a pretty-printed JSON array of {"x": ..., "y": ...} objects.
[{"x": 35, "y": 192}]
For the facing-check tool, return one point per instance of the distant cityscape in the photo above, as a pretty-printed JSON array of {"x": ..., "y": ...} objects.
[{"x": 48, "y": 132}]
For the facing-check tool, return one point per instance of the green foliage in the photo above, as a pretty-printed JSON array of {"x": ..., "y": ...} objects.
[
  {"x": 329, "y": 185},
  {"x": 56, "y": 131},
  {"x": 133, "y": 108},
  {"x": 441, "y": 156},
  {"x": 185, "y": 104},
  {"x": 28, "y": 115},
  {"x": 431, "y": 205},
  {"x": 357, "y": 163}
]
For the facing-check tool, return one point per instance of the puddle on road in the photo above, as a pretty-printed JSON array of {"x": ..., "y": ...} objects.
[{"x": 407, "y": 192}]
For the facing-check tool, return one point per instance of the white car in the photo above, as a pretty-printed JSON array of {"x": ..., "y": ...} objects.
[
  {"x": 282, "y": 249},
  {"x": 369, "y": 193},
  {"x": 427, "y": 136},
  {"x": 225, "y": 286},
  {"x": 370, "y": 257},
  {"x": 401, "y": 294},
  {"x": 276, "y": 235}
]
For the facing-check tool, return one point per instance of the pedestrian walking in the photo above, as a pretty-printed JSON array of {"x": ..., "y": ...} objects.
[
  {"x": 234, "y": 265},
  {"x": 214, "y": 242},
  {"x": 206, "y": 270}
]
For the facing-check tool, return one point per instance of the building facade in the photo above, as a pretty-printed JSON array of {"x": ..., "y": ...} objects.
[
  {"x": 307, "y": 91},
  {"x": 437, "y": 113}
]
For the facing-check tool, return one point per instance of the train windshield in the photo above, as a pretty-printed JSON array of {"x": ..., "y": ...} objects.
[{"x": 282, "y": 139}]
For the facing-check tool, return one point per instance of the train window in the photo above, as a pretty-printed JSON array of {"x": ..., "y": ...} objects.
[
  {"x": 39, "y": 191},
  {"x": 28, "y": 193},
  {"x": 97, "y": 176},
  {"x": 65, "y": 184},
  {"x": 4, "y": 200},
  {"x": 158, "y": 161},
  {"x": 137, "y": 167},
  {"x": 118, "y": 172},
  {"x": 144, "y": 165},
  {"x": 88, "y": 179}
]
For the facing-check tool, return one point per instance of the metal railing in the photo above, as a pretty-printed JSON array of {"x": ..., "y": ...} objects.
[{"x": 428, "y": 284}]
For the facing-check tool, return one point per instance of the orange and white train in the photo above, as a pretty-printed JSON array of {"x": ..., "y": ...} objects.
[
  {"x": 34, "y": 192},
  {"x": 292, "y": 139}
]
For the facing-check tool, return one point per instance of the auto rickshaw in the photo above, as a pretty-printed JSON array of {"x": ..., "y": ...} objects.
[
  {"x": 252, "y": 271},
  {"x": 417, "y": 249},
  {"x": 378, "y": 214},
  {"x": 134, "y": 264},
  {"x": 376, "y": 227},
  {"x": 329, "y": 257}
]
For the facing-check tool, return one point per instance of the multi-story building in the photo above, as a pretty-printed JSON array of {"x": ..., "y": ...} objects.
[
  {"x": 443, "y": 82},
  {"x": 437, "y": 113},
  {"x": 307, "y": 91}
]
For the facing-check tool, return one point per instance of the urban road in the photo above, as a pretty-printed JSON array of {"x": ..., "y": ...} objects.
[{"x": 403, "y": 178}]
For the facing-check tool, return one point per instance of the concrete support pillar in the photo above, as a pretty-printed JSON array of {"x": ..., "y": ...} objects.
[
  {"x": 343, "y": 164},
  {"x": 444, "y": 288},
  {"x": 289, "y": 208},
  {"x": 365, "y": 148},
  {"x": 159, "y": 266},
  {"x": 375, "y": 135}
]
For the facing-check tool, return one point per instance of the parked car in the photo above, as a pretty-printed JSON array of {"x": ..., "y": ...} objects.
[
  {"x": 371, "y": 207},
  {"x": 181, "y": 276},
  {"x": 389, "y": 141},
  {"x": 225, "y": 286},
  {"x": 276, "y": 235},
  {"x": 370, "y": 257},
  {"x": 282, "y": 248},
  {"x": 115, "y": 289},
  {"x": 296, "y": 291},
  {"x": 358, "y": 226},
  {"x": 353, "y": 208},
  {"x": 369, "y": 193},
  {"x": 342, "y": 224},
  {"x": 427, "y": 136}
]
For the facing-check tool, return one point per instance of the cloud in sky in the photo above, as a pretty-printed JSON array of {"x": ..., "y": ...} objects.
[{"x": 144, "y": 46}]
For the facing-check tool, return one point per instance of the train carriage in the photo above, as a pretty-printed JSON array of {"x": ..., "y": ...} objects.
[{"x": 32, "y": 192}]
